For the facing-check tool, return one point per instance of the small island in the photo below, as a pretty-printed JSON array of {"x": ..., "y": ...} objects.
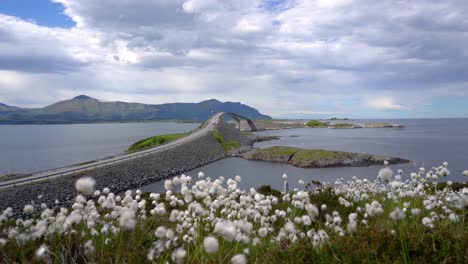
[
  {"x": 318, "y": 158},
  {"x": 319, "y": 124}
]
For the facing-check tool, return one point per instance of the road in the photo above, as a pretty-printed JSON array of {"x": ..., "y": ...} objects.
[{"x": 49, "y": 174}]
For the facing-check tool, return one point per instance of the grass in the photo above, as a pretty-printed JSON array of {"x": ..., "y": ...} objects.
[
  {"x": 300, "y": 154},
  {"x": 344, "y": 125},
  {"x": 227, "y": 145},
  {"x": 247, "y": 133},
  {"x": 153, "y": 142},
  {"x": 314, "y": 154},
  {"x": 8, "y": 175},
  {"x": 315, "y": 123},
  {"x": 383, "y": 240},
  {"x": 279, "y": 151}
]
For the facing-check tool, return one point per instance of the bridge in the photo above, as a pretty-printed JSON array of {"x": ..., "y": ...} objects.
[
  {"x": 239, "y": 120},
  {"x": 208, "y": 127}
]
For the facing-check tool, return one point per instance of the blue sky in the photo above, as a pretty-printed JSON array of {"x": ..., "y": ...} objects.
[
  {"x": 287, "y": 58},
  {"x": 42, "y": 12}
]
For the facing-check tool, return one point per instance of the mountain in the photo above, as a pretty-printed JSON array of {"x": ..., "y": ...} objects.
[
  {"x": 4, "y": 108},
  {"x": 84, "y": 109}
]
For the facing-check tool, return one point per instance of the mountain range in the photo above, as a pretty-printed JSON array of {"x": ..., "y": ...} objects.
[{"x": 84, "y": 109}]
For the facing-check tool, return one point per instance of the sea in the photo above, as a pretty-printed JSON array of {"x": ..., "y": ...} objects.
[{"x": 426, "y": 142}]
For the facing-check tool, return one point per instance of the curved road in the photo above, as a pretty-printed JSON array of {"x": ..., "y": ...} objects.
[{"x": 44, "y": 175}]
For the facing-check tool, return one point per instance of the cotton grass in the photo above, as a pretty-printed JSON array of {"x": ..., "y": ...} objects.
[
  {"x": 85, "y": 185},
  {"x": 212, "y": 220}
]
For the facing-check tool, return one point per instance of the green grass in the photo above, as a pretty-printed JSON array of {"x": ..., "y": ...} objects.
[
  {"x": 8, "y": 175},
  {"x": 267, "y": 190},
  {"x": 313, "y": 154},
  {"x": 301, "y": 154},
  {"x": 382, "y": 241},
  {"x": 153, "y": 142},
  {"x": 247, "y": 133},
  {"x": 456, "y": 186},
  {"x": 227, "y": 145},
  {"x": 344, "y": 125},
  {"x": 279, "y": 151},
  {"x": 315, "y": 123}
]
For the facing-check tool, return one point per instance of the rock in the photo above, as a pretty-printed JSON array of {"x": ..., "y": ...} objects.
[{"x": 256, "y": 139}]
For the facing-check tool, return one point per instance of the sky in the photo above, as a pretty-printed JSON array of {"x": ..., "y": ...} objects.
[{"x": 287, "y": 58}]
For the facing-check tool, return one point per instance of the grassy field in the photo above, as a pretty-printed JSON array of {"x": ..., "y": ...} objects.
[
  {"x": 315, "y": 123},
  {"x": 278, "y": 151},
  {"x": 359, "y": 221},
  {"x": 153, "y": 142},
  {"x": 299, "y": 154},
  {"x": 314, "y": 154},
  {"x": 345, "y": 125},
  {"x": 227, "y": 145}
]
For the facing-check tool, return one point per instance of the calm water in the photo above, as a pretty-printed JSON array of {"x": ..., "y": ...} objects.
[
  {"x": 30, "y": 148},
  {"x": 427, "y": 142}
]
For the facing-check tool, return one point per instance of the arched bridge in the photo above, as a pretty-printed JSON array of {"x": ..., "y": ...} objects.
[{"x": 239, "y": 119}]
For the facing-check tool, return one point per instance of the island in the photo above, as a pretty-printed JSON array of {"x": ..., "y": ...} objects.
[
  {"x": 319, "y": 124},
  {"x": 317, "y": 158}
]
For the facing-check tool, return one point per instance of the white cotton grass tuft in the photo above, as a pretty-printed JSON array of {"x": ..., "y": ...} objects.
[
  {"x": 127, "y": 220},
  {"x": 397, "y": 214},
  {"x": 211, "y": 244},
  {"x": 239, "y": 259},
  {"x": 41, "y": 252},
  {"x": 465, "y": 173},
  {"x": 28, "y": 209},
  {"x": 201, "y": 175},
  {"x": 285, "y": 176},
  {"x": 227, "y": 230},
  {"x": 85, "y": 185},
  {"x": 168, "y": 185},
  {"x": 3, "y": 242},
  {"x": 385, "y": 174},
  {"x": 179, "y": 255}
]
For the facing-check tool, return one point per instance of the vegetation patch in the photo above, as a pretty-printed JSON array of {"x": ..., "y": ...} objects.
[
  {"x": 314, "y": 154},
  {"x": 290, "y": 153},
  {"x": 267, "y": 190},
  {"x": 279, "y": 151},
  {"x": 8, "y": 175},
  {"x": 227, "y": 145},
  {"x": 315, "y": 123},
  {"x": 345, "y": 125},
  {"x": 153, "y": 142}
]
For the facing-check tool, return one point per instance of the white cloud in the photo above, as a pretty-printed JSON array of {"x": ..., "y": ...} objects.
[
  {"x": 385, "y": 103},
  {"x": 300, "y": 56}
]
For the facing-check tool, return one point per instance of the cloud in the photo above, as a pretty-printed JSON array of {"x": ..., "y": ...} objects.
[
  {"x": 289, "y": 57},
  {"x": 385, "y": 103}
]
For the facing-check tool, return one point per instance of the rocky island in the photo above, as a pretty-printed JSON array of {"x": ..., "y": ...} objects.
[{"x": 317, "y": 158}]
